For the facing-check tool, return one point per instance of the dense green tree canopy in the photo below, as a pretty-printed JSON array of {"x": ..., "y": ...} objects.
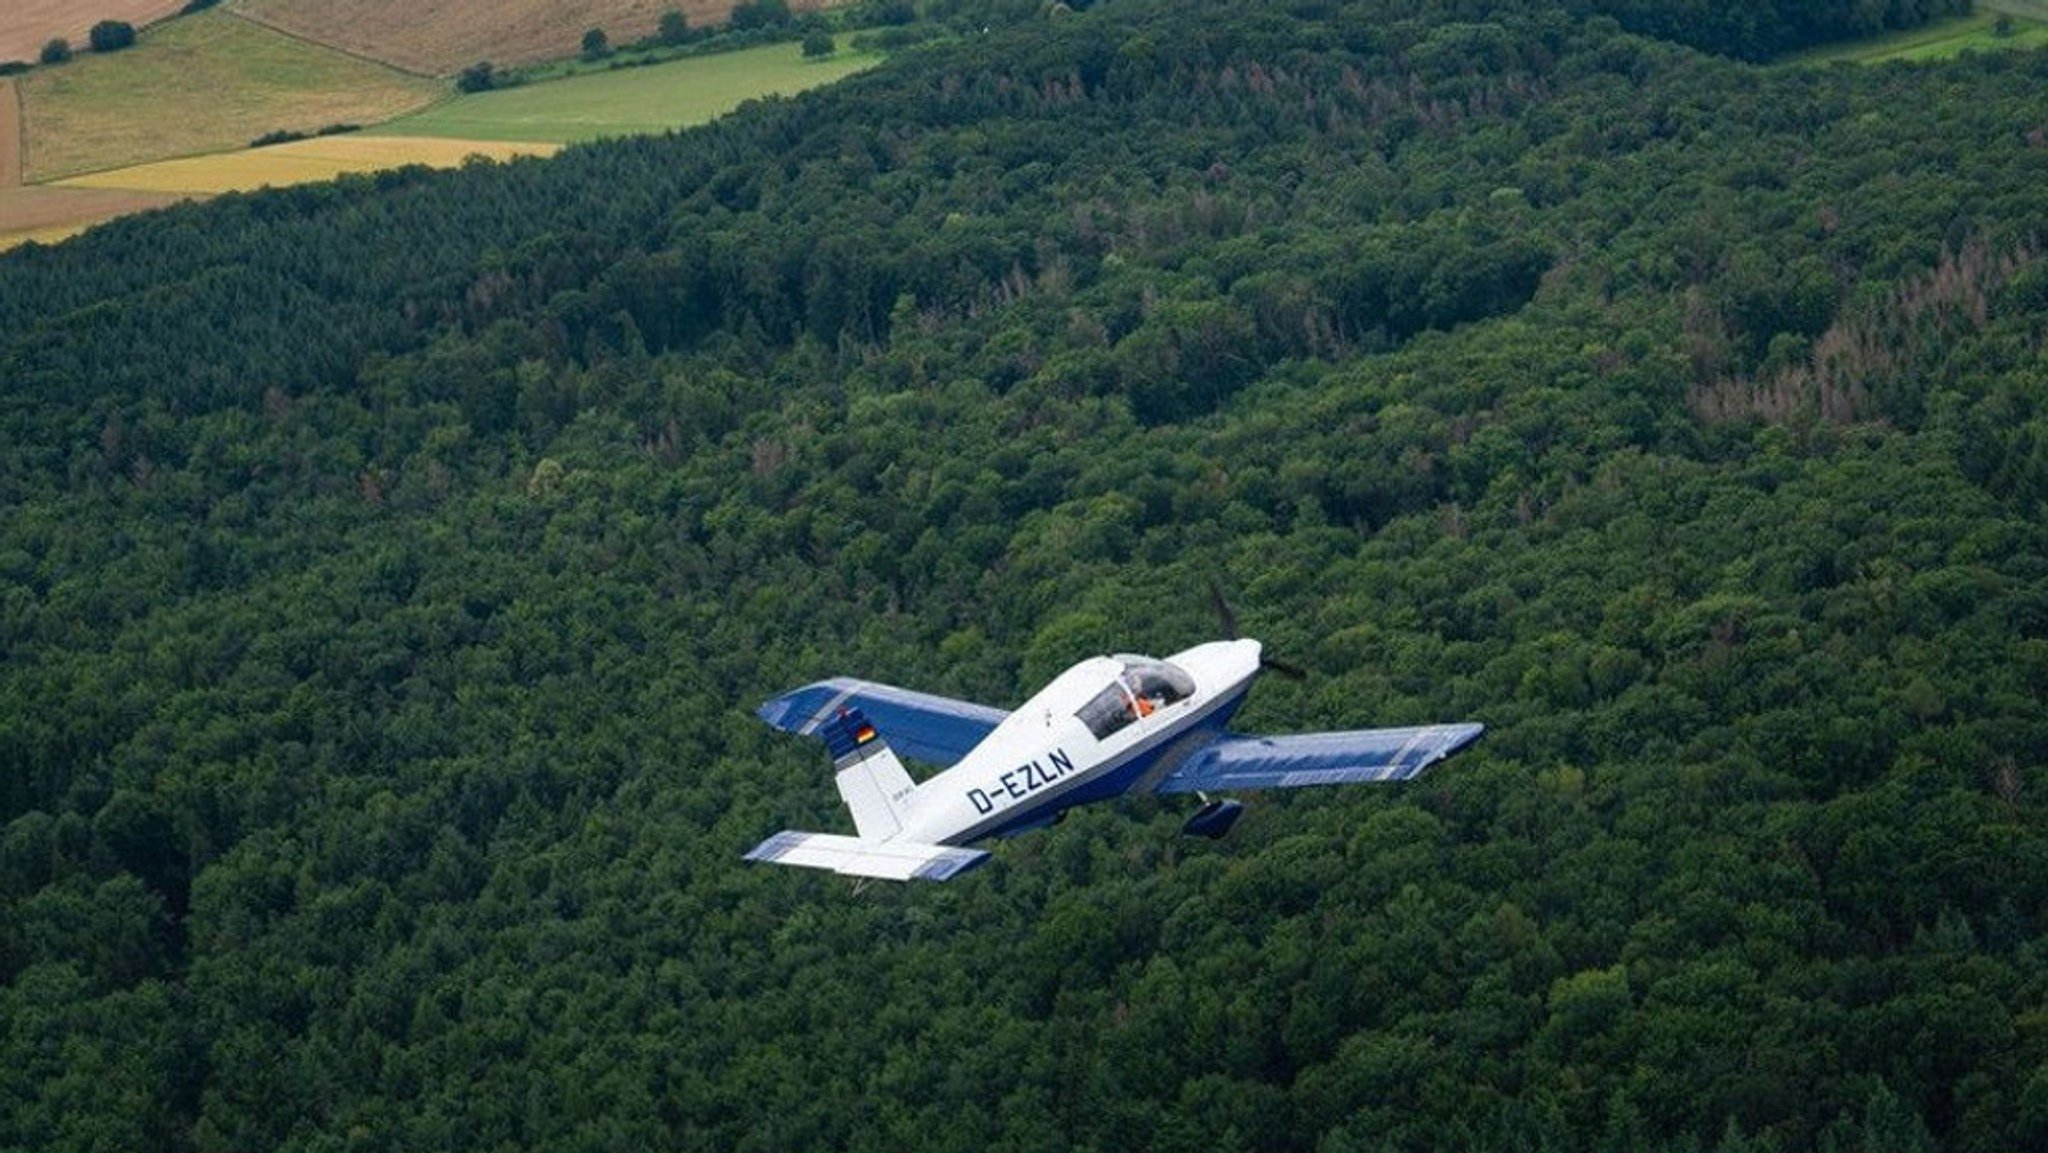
[
  {"x": 388, "y": 570},
  {"x": 111, "y": 35}
]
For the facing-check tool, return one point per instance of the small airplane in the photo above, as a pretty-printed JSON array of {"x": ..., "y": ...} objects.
[{"x": 1107, "y": 727}]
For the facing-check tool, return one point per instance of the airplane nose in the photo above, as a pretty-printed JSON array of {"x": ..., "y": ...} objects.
[
  {"x": 1221, "y": 665},
  {"x": 1247, "y": 656}
]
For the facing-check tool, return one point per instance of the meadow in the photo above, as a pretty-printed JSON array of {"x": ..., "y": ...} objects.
[
  {"x": 1940, "y": 40},
  {"x": 655, "y": 98},
  {"x": 98, "y": 155},
  {"x": 200, "y": 84}
]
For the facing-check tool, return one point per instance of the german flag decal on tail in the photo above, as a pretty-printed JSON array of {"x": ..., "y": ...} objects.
[{"x": 847, "y": 732}]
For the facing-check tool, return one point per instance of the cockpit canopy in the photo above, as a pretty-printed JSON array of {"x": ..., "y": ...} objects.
[{"x": 1143, "y": 687}]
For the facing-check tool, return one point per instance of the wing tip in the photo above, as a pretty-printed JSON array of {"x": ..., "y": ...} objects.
[
  {"x": 802, "y": 710},
  {"x": 776, "y": 847},
  {"x": 951, "y": 865}
]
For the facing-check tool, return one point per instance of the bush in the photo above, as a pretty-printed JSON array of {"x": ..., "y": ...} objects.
[
  {"x": 281, "y": 136},
  {"x": 13, "y": 67},
  {"x": 760, "y": 14},
  {"x": 111, "y": 36},
  {"x": 892, "y": 39},
  {"x": 817, "y": 42},
  {"x": 892, "y": 13},
  {"x": 56, "y": 51},
  {"x": 192, "y": 6},
  {"x": 478, "y": 77},
  {"x": 673, "y": 29},
  {"x": 596, "y": 45}
]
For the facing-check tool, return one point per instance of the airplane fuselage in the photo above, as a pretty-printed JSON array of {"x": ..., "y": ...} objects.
[{"x": 1095, "y": 732}]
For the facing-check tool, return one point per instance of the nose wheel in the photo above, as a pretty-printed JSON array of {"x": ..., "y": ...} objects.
[{"x": 1214, "y": 819}]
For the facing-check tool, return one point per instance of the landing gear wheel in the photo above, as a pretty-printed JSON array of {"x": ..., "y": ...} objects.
[{"x": 1214, "y": 819}]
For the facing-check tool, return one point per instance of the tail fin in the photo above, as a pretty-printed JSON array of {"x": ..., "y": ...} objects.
[{"x": 871, "y": 780}]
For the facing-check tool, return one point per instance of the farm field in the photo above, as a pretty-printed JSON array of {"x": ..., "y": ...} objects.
[
  {"x": 49, "y": 213},
  {"x": 201, "y": 84},
  {"x": 30, "y": 24},
  {"x": 300, "y": 162},
  {"x": 656, "y": 98},
  {"x": 10, "y": 135},
  {"x": 443, "y": 36},
  {"x": 1941, "y": 40}
]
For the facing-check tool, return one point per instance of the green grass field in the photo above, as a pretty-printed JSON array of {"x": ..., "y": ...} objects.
[
  {"x": 2036, "y": 10},
  {"x": 1942, "y": 40},
  {"x": 198, "y": 84},
  {"x": 655, "y": 98}
]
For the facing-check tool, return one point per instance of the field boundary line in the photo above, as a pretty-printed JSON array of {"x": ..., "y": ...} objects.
[{"x": 324, "y": 46}]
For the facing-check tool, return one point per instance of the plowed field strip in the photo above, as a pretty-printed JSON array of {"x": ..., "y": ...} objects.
[
  {"x": 29, "y": 24},
  {"x": 46, "y": 213},
  {"x": 10, "y": 135}
]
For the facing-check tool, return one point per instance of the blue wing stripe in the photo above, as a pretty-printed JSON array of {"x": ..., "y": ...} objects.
[
  {"x": 1307, "y": 759},
  {"x": 946, "y": 866},
  {"x": 921, "y": 726}
]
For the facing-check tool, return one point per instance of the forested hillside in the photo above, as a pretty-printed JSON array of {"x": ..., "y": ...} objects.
[{"x": 388, "y": 571}]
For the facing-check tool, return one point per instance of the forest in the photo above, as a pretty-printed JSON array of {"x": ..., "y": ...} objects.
[{"x": 389, "y": 570}]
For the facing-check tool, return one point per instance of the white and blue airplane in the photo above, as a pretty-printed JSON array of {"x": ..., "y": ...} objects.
[{"x": 1107, "y": 727}]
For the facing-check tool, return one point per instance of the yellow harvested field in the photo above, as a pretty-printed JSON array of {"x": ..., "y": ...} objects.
[
  {"x": 27, "y": 25},
  {"x": 200, "y": 84},
  {"x": 301, "y": 162},
  {"x": 40, "y": 236}
]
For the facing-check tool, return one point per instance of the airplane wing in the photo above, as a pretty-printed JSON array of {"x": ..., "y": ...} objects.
[
  {"x": 922, "y": 726},
  {"x": 1239, "y": 762},
  {"x": 888, "y": 860}
]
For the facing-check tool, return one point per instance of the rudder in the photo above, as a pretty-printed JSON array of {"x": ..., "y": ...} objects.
[{"x": 871, "y": 780}]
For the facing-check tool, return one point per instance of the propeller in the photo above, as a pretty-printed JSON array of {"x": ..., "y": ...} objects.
[
  {"x": 1228, "y": 617},
  {"x": 1223, "y": 613},
  {"x": 1292, "y": 672}
]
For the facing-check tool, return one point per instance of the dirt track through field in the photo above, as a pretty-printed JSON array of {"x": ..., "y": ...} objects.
[{"x": 10, "y": 135}]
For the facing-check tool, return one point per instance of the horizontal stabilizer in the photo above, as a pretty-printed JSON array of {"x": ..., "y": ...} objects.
[
  {"x": 1292, "y": 762},
  {"x": 888, "y": 860}
]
